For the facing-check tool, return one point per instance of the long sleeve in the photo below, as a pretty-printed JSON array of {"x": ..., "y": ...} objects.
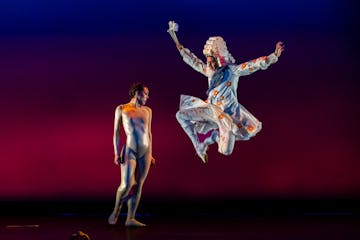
[
  {"x": 255, "y": 65},
  {"x": 193, "y": 61}
]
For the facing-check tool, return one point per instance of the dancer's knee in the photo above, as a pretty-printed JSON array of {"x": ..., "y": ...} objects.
[
  {"x": 180, "y": 116},
  {"x": 125, "y": 187},
  {"x": 136, "y": 189},
  {"x": 225, "y": 150}
]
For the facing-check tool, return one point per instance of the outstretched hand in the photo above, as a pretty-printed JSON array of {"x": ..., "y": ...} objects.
[
  {"x": 279, "y": 48},
  {"x": 152, "y": 161},
  {"x": 117, "y": 160}
]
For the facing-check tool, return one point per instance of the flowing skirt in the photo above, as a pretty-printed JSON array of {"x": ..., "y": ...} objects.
[{"x": 206, "y": 117}]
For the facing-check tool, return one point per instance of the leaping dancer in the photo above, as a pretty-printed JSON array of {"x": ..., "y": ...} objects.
[{"x": 221, "y": 113}]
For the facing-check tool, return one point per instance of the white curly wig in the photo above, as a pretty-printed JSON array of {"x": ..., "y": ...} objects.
[{"x": 216, "y": 47}]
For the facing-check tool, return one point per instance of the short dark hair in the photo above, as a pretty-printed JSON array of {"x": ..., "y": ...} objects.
[{"x": 136, "y": 87}]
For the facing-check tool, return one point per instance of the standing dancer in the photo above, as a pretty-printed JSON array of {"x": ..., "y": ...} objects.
[
  {"x": 221, "y": 113},
  {"x": 135, "y": 157}
]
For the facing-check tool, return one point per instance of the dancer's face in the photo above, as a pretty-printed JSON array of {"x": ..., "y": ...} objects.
[
  {"x": 143, "y": 96},
  {"x": 211, "y": 62}
]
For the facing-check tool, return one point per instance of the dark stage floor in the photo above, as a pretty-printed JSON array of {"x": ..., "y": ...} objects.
[{"x": 188, "y": 221}]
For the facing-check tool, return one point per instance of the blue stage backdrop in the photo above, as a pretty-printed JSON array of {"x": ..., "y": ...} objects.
[{"x": 66, "y": 65}]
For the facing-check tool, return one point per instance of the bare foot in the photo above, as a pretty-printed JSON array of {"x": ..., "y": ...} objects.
[
  {"x": 113, "y": 218},
  {"x": 201, "y": 152},
  {"x": 205, "y": 159},
  {"x": 134, "y": 223}
]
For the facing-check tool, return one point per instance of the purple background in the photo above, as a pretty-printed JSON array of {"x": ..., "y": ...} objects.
[{"x": 65, "y": 66}]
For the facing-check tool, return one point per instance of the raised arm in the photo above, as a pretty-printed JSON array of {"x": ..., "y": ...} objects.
[
  {"x": 187, "y": 56},
  {"x": 191, "y": 59},
  {"x": 260, "y": 63},
  {"x": 116, "y": 137}
]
